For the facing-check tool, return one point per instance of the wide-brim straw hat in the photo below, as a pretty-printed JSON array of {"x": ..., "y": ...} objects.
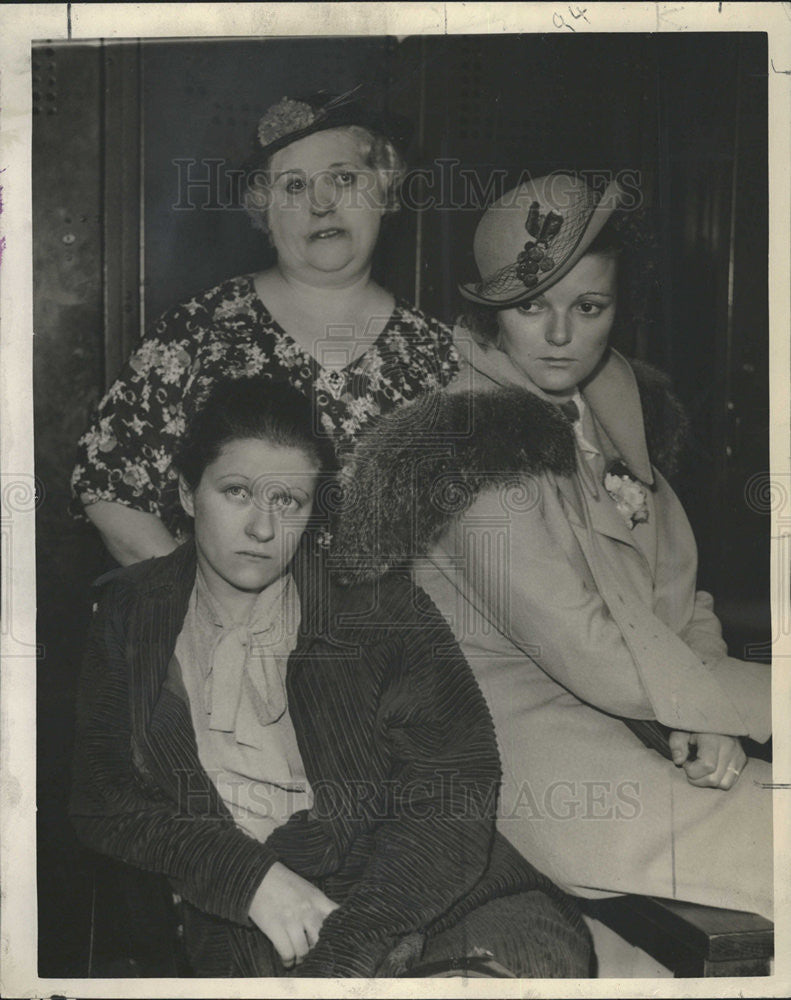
[
  {"x": 534, "y": 235},
  {"x": 291, "y": 119}
]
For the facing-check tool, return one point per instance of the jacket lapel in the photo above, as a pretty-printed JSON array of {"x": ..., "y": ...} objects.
[
  {"x": 159, "y": 616},
  {"x": 643, "y": 536},
  {"x": 602, "y": 514},
  {"x": 602, "y": 511},
  {"x": 614, "y": 399}
]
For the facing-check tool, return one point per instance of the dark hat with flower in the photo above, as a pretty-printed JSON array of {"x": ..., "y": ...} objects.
[
  {"x": 534, "y": 235},
  {"x": 290, "y": 119}
]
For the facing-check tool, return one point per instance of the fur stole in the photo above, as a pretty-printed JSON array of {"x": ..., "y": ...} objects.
[{"x": 423, "y": 464}]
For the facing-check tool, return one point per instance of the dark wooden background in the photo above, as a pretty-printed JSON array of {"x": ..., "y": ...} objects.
[{"x": 686, "y": 112}]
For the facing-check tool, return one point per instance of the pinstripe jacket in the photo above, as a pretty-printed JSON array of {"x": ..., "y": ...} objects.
[{"x": 397, "y": 744}]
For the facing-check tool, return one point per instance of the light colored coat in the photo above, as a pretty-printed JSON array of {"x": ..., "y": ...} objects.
[{"x": 570, "y": 619}]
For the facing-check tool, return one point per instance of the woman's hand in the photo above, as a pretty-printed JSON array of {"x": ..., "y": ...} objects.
[
  {"x": 718, "y": 762},
  {"x": 290, "y": 911}
]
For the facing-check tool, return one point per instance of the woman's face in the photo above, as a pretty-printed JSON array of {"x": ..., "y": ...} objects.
[
  {"x": 558, "y": 338},
  {"x": 325, "y": 209},
  {"x": 250, "y": 509}
]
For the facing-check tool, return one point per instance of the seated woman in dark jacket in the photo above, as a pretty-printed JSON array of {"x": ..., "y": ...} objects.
[{"x": 313, "y": 767}]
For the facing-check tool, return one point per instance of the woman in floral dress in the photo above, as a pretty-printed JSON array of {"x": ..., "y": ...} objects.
[{"x": 324, "y": 174}]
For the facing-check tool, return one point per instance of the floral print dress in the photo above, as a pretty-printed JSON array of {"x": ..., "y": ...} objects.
[{"x": 126, "y": 454}]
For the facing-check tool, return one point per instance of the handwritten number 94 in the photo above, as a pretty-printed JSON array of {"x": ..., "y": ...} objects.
[{"x": 576, "y": 12}]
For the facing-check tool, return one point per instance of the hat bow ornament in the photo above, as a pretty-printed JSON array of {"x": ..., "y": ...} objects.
[
  {"x": 535, "y": 255},
  {"x": 564, "y": 216}
]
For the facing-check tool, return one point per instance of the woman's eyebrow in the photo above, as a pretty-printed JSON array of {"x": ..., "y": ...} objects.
[
  {"x": 289, "y": 170},
  {"x": 332, "y": 166},
  {"x": 233, "y": 475},
  {"x": 294, "y": 490}
]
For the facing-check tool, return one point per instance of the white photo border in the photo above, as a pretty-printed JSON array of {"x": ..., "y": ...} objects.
[{"x": 22, "y": 24}]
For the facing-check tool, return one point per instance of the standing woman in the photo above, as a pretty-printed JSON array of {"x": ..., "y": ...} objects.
[
  {"x": 324, "y": 174},
  {"x": 541, "y": 525}
]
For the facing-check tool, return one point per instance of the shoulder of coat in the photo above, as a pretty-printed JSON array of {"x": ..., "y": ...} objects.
[{"x": 424, "y": 464}]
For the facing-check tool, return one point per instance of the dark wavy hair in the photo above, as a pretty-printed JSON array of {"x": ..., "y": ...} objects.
[
  {"x": 256, "y": 407},
  {"x": 628, "y": 236}
]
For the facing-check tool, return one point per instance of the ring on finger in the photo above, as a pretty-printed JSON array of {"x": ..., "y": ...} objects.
[{"x": 733, "y": 770}]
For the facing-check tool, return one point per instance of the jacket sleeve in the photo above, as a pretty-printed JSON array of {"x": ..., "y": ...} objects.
[
  {"x": 433, "y": 828},
  {"x": 619, "y": 655},
  {"x": 118, "y": 810},
  {"x": 692, "y": 611}
]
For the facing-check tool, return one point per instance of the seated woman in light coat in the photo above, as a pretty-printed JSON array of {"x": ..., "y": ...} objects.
[{"x": 529, "y": 498}]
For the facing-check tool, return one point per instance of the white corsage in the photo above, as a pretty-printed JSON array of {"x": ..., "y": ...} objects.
[{"x": 628, "y": 494}]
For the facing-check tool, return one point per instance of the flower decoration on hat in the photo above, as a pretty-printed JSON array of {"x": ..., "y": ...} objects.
[
  {"x": 283, "y": 118},
  {"x": 535, "y": 257},
  {"x": 628, "y": 493}
]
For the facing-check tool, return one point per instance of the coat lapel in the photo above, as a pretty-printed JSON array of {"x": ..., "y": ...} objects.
[
  {"x": 602, "y": 511},
  {"x": 614, "y": 401},
  {"x": 602, "y": 514},
  {"x": 643, "y": 536}
]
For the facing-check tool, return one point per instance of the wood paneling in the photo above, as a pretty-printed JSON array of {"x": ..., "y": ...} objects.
[
  {"x": 122, "y": 231},
  {"x": 68, "y": 379}
]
